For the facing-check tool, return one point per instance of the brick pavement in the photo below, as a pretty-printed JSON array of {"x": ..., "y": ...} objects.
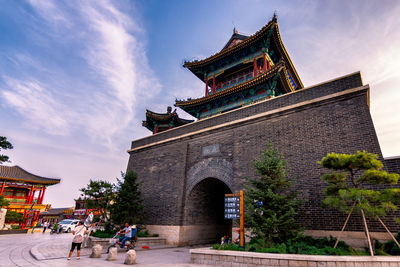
[{"x": 18, "y": 250}]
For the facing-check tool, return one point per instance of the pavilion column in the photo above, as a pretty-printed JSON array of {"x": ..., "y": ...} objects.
[
  {"x": 40, "y": 195},
  {"x": 213, "y": 87},
  {"x": 32, "y": 195},
  {"x": 41, "y": 199},
  {"x": 156, "y": 129},
  {"x": 2, "y": 188},
  {"x": 265, "y": 62},
  {"x": 28, "y": 198},
  {"x": 24, "y": 220},
  {"x": 255, "y": 68},
  {"x": 206, "y": 87}
]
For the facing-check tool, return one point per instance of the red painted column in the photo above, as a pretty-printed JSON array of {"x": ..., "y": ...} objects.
[
  {"x": 2, "y": 188},
  {"x": 213, "y": 87},
  {"x": 32, "y": 195},
  {"x": 255, "y": 68},
  {"x": 156, "y": 130},
  {"x": 44, "y": 190},
  {"x": 40, "y": 195},
  {"x": 265, "y": 62},
  {"x": 29, "y": 195},
  {"x": 24, "y": 221},
  {"x": 206, "y": 87}
]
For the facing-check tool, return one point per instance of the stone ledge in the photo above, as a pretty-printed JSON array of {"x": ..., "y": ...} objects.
[{"x": 239, "y": 258}]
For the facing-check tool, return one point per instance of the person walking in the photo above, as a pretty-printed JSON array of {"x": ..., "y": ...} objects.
[
  {"x": 45, "y": 225},
  {"x": 79, "y": 232}
]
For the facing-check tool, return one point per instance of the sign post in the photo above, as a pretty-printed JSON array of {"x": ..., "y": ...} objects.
[
  {"x": 242, "y": 218},
  {"x": 234, "y": 209}
]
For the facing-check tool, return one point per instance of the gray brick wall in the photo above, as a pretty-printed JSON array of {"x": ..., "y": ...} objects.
[
  {"x": 393, "y": 164},
  {"x": 303, "y": 135},
  {"x": 309, "y": 93}
]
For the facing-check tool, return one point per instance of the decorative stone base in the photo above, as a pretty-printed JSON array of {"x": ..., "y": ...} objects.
[
  {"x": 142, "y": 241},
  {"x": 208, "y": 256}
]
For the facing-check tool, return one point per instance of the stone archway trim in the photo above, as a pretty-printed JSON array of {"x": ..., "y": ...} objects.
[{"x": 220, "y": 169}]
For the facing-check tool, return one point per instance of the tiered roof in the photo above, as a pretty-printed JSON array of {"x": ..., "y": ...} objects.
[
  {"x": 16, "y": 173},
  {"x": 285, "y": 68}
]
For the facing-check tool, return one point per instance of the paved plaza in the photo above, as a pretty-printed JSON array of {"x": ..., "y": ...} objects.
[{"x": 51, "y": 250}]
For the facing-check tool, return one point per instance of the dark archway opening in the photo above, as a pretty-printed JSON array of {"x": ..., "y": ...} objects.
[{"x": 205, "y": 212}]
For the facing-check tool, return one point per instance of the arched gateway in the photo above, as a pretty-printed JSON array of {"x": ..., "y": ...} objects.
[{"x": 208, "y": 181}]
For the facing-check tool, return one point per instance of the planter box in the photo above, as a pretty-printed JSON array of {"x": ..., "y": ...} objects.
[
  {"x": 142, "y": 241},
  {"x": 209, "y": 256}
]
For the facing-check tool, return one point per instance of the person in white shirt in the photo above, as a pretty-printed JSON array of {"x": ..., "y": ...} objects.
[
  {"x": 79, "y": 232},
  {"x": 45, "y": 225}
]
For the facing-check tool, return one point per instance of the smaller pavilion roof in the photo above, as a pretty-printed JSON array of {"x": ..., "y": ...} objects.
[
  {"x": 153, "y": 118},
  {"x": 16, "y": 173}
]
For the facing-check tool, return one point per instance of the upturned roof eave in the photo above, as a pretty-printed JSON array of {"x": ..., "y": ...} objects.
[
  {"x": 30, "y": 178},
  {"x": 193, "y": 102},
  {"x": 232, "y": 49}
]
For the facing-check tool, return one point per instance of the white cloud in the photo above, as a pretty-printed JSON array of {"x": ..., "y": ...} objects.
[
  {"x": 38, "y": 105},
  {"x": 110, "y": 44}
]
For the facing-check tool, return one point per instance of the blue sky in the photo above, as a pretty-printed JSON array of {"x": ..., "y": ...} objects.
[{"x": 77, "y": 76}]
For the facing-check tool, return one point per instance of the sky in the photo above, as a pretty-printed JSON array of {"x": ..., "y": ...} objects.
[{"x": 76, "y": 77}]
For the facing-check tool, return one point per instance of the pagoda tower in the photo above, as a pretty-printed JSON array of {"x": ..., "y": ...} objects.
[{"x": 247, "y": 70}]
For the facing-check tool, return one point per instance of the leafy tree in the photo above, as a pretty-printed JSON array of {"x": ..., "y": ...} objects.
[
  {"x": 13, "y": 216},
  {"x": 4, "y": 144},
  {"x": 128, "y": 201},
  {"x": 99, "y": 195},
  {"x": 3, "y": 202},
  {"x": 271, "y": 207},
  {"x": 346, "y": 189}
]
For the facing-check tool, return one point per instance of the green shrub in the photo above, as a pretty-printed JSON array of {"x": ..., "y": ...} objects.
[
  {"x": 144, "y": 233},
  {"x": 230, "y": 246},
  {"x": 301, "y": 245},
  {"x": 389, "y": 247},
  {"x": 104, "y": 233}
]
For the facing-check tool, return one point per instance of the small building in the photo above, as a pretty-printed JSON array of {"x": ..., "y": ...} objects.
[
  {"x": 56, "y": 215},
  {"x": 25, "y": 191},
  {"x": 81, "y": 211}
]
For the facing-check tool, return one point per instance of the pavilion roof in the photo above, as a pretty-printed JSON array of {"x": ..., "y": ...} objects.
[
  {"x": 236, "y": 36},
  {"x": 163, "y": 118},
  {"x": 196, "y": 65},
  {"x": 16, "y": 173}
]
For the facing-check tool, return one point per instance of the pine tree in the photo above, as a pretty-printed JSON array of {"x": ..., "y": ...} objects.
[
  {"x": 99, "y": 195},
  {"x": 128, "y": 201},
  {"x": 347, "y": 190},
  {"x": 271, "y": 206},
  {"x": 4, "y": 144}
]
